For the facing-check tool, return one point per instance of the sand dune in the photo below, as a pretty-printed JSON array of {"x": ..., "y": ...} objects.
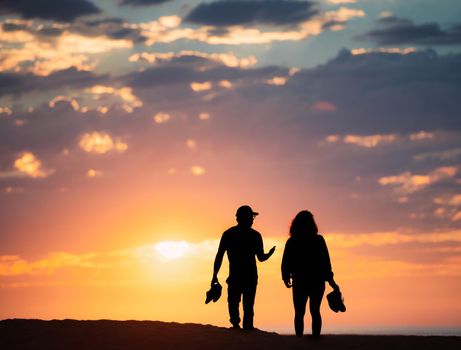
[{"x": 153, "y": 335}]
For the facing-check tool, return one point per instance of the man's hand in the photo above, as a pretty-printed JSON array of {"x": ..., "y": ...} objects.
[
  {"x": 272, "y": 250},
  {"x": 287, "y": 282}
]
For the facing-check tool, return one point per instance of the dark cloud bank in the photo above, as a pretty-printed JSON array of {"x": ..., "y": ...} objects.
[
  {"x": 252, "y": 12},
  {"x": 398, "y": 31},
  {"x": 142, "y": 2},
  {"x": 60, "y": 10}
]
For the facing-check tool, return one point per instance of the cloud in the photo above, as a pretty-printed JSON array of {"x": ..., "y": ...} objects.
[
  {"x": 11, "y": 189},
  {"x": 252, "y": 12},
  {"x": 324, "y": 106},
  {"x": 338, "y": 2},
  {"x": 27, "y": 165},
  {"x": 142, "y": 2},
  {"x": 228, "y": 59},
  {"x": 408, "y": 182},
  {"x": 191, "y": 144},
  {"x": 15, "y": 84},
  {"x": 30, "y": 53},
  {"x": 61, "y": 262},
  {"x": 369, "y": 141},
  {"x": 61, "y": 11},
  {"x": 74, "y": 104},
  {"x": 197, "y": 87},
  {"x": 58, "y": 266},
  {"x": 167, "y": 29},
  {"x": 421, "y": 135},
  {"x": 101, "y": 143},
  {"x": 161, "y": 117},
  {"x": 112, "y": 28},
  {"x": 405, "y": 51},
  {"x": 129, "y": 102},
  {"x": 399, "y": 31},
  {"x": 277, "y": 81},
  {"x": 5, "y": 110},
  {"x": 204, "y": 116},
  {"x": 197, "y": 170},
  {"x": 376, "y": 239},
  {"x": 94, "y": 173},
  {"x": 439, "y": 155}
]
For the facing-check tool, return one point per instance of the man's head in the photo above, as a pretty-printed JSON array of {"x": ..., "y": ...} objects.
[{"x": 245, "y": 216}]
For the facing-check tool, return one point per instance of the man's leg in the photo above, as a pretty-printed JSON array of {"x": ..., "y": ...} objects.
[
  {"x": 233, "y": 301},
  {"x": 249, "y": 294}
]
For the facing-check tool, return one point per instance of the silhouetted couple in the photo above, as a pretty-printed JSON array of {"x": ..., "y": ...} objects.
[{"x": 305, "y": 268}]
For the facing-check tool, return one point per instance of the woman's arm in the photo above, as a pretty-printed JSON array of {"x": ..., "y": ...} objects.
[
  {"x": 327, "y": 265},
  {"x": 287, "y": 266}
]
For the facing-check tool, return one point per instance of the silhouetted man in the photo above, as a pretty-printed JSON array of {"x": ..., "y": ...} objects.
[{"x": 242, "y": 244}]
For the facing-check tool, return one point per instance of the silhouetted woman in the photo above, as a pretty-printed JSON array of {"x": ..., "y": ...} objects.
[{"x": 305, "y": 267}]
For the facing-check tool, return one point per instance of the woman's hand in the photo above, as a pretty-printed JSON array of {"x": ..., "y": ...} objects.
[
  {"x": 333, "y": 285},
  {"x": 214, "y": 280},
  {"x": 288, "y": 283}
]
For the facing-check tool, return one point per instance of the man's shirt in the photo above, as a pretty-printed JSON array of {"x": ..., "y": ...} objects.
[{"x": 242, "y": 245}]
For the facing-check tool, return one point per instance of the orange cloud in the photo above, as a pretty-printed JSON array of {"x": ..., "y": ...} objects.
[
  {"x": 191, "y": 144},
  {"x": 168, "y": 29},
  {"x": 204, "y": 116},
  {"x": 409, "y": 183},
  {"x": 101, "y": 142},
  {"x": 197, "y": 87},
  {"x": 197, "y": 170},
  {"x": 5, "y": 110},
  {"x": 404, "y": 51},
  {"x": 278, "y": 81},
  {"x": 30, "y": 54},
  {"x": 228, "y": 59},
  {"x": 129, "y": 101},
  {"x": 71, "y": 101},
  {"x": 11, "y": 189},
  {"x": 29, "y": 165},
  {"x": 421, "y": 135},
  {"x": 225, "y": 84},
  {"x": 324, "y": 106},
  {"x": 161, "y": 117},
  {"x": 368, "y": 141},
  {"x": 94, "y": 173}
]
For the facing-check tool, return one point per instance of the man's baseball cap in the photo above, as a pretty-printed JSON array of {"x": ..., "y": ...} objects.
[{"x": 245, "y": 210}]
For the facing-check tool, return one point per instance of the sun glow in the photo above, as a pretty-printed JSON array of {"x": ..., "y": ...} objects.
[{"x": 172, "y": 250}]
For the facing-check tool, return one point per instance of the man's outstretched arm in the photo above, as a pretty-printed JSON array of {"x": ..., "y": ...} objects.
[
  {"x": 264, "y": 257},
  {"x": 260, "y": 251}
]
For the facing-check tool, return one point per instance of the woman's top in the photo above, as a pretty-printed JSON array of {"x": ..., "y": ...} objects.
[{"x": 306, "y": 259}]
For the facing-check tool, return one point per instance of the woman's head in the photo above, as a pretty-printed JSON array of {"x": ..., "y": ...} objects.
[{"x": 303, "y": 224}]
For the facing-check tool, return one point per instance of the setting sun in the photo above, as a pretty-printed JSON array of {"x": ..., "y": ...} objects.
[{"x": 172, "y": 250}]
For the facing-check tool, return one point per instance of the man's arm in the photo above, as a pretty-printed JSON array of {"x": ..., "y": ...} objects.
[
  {"x": 218, "y": 260},
  {"x": 260, "y": 250}
]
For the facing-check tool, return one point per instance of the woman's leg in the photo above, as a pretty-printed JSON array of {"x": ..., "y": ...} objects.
[
  {"x": 299, "y": 302},
  {"x": 316, "y": 296}
]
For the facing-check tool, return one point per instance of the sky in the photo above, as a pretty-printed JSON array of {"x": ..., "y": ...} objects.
[{"x": 132, "y": 130}]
